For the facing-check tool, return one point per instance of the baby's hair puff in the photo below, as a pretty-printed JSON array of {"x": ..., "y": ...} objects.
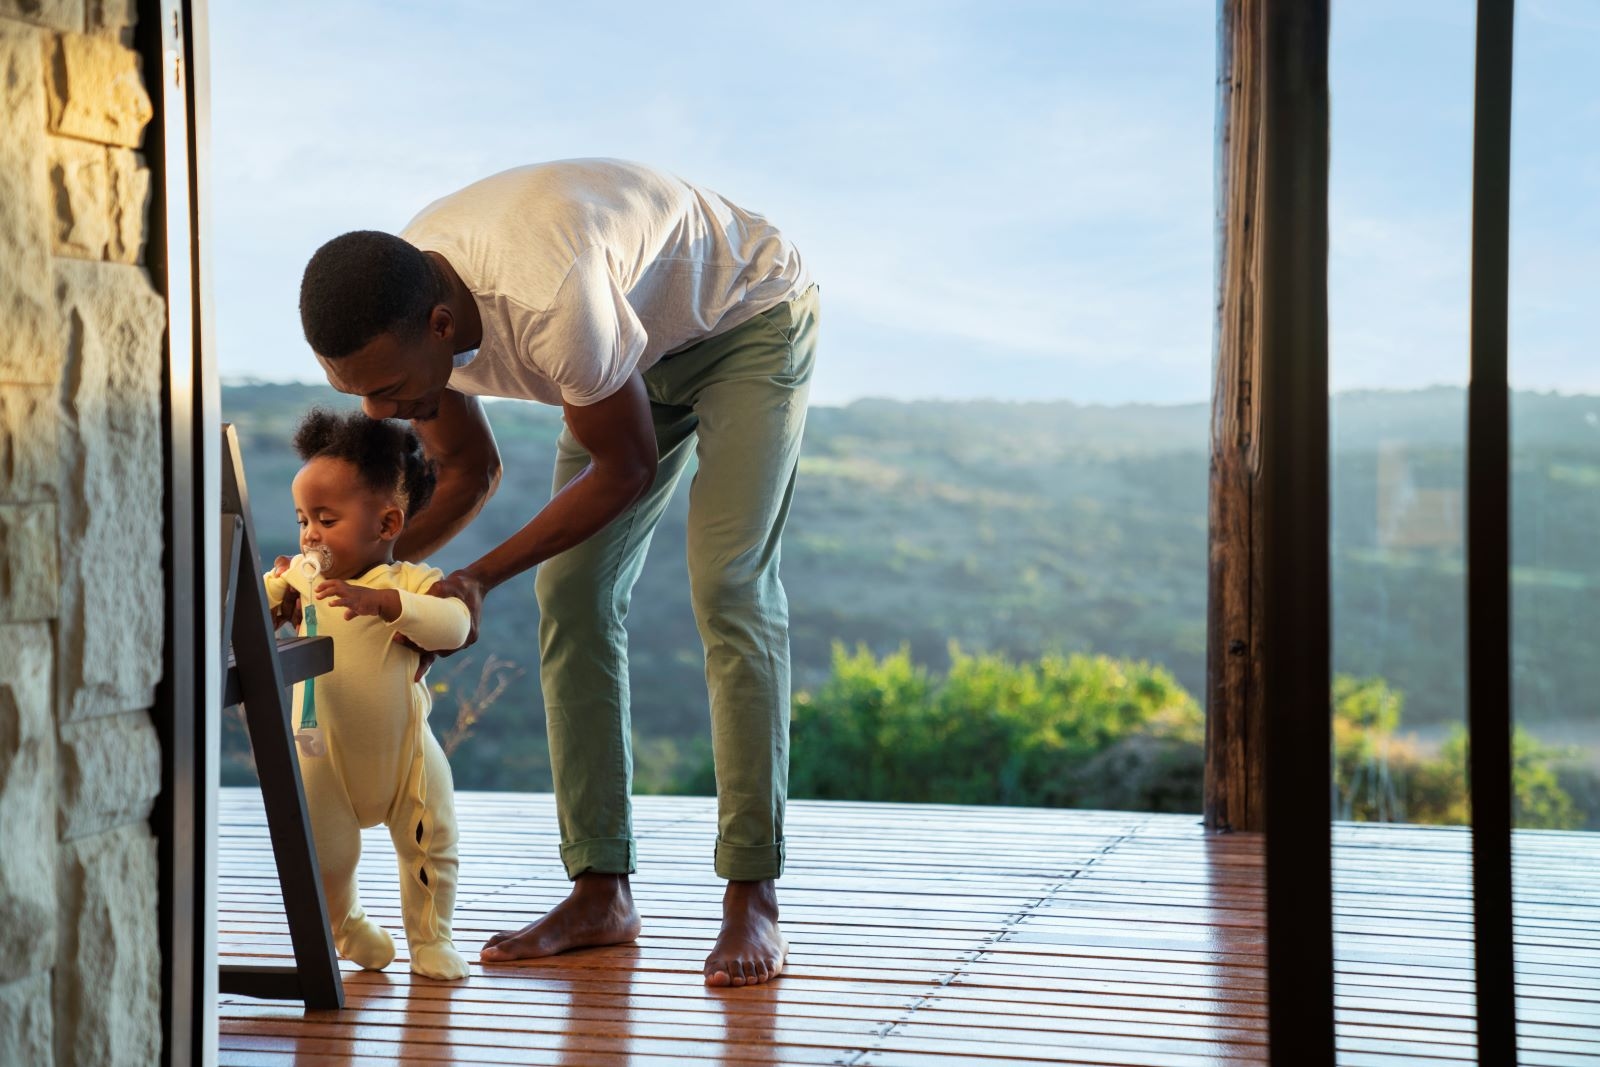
[{"x": 386, "y": 454}]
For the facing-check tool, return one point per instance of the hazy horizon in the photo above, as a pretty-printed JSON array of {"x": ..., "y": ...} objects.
[{"x": 1333, "y": 395}]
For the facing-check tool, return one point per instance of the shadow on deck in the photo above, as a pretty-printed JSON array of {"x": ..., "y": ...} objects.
[{"x": 928, "y": 936}]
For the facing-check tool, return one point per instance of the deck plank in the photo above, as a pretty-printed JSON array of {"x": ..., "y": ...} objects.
[{"x": 1109, "y": 938}]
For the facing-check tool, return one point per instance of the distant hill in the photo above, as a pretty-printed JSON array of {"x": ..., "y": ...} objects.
[{"x": 1050, "y": 526}]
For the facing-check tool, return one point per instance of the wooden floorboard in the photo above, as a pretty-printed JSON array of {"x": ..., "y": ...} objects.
[{"x": 934, "y": 936}]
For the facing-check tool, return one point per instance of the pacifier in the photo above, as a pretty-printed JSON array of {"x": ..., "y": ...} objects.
[{"x": 315, "y": 562}]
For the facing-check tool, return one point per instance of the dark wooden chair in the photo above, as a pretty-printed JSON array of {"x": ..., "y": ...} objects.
[{"x": 260, "y": 669}]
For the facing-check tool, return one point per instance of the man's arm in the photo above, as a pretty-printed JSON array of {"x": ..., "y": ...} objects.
[
  {"x": 619, "y": 435},
  {"x": 459, "y": 440}
]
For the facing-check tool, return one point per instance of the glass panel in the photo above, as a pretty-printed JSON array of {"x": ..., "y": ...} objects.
[
  {"x": 1555, "y": 337},
  {"x": 1555, "y": 515},
  {"x": 1400, "y": 226}
]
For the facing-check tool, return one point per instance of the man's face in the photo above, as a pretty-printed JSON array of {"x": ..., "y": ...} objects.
[{"x": 397, "y": 379}]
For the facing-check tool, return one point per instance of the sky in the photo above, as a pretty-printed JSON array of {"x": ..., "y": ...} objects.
[{"x": 1000, "y": 198}]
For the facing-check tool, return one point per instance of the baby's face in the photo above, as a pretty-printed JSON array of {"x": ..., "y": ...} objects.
[{"x": 343, "y": 522}]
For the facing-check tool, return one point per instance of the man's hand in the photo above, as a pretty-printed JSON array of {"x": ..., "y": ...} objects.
[
  {"x": 470, "y": 591},
  {"x": 467, "y": 588},
  {"x": 288, "y": 610},
  {"x": 357, "y": 600}
]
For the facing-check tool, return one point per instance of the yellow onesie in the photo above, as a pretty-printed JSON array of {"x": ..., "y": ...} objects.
[{"x": 378, "y": 762}]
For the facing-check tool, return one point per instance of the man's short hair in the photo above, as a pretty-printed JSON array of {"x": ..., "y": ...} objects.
[{"x": 362, "y": 284}]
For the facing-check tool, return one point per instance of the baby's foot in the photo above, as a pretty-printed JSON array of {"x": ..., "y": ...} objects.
[
  {"x": 438, "y": 960},
  {"x": 365, "y": 942}
]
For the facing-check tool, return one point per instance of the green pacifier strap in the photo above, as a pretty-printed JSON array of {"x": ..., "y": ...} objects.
[{"x": 308, "y": 702}]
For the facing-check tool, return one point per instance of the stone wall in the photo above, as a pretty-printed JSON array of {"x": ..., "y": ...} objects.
[{"x": 80, "y": 541}]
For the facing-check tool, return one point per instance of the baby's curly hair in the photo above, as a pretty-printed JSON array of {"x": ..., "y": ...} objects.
[{"x": 387, "y": 454}]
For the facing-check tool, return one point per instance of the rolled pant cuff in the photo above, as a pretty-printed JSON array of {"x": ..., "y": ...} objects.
[
  {"x": 600, "y": 855},
  {"x": 748, "y": 863}
]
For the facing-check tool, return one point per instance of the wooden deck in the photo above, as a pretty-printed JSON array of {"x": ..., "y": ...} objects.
[{"x": 936, "y": 937}]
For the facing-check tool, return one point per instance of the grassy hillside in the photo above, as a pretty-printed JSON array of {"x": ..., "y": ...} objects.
[{"x": 1037, "y": 528}]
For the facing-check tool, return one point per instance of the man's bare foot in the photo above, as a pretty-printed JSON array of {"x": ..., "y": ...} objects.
[
  {"x": 750, "y": 950},
  {"x": 598, "y": 911}
]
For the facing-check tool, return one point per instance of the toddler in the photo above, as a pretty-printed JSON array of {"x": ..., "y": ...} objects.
[{"x": 366, "y": 753}]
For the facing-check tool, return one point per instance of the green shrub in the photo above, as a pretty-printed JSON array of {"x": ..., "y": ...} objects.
[
  {"x": 1079, "y": 731},
  {"x": 1380, "y": 777},
  {"x": 1098, "y": 732}
]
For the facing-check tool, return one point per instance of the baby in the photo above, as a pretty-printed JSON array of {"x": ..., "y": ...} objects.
[{"x": 366, "y": 753}]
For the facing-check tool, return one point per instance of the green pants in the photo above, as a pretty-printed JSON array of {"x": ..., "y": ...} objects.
[{"x": 738, "y": 402}]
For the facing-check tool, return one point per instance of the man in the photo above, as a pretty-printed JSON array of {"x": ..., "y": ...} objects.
[{"x": 663, "y": 319}]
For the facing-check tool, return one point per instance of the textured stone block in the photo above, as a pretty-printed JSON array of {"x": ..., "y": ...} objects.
[
  {"x": 108, "y": 971},
  {"x": 112, "y": 18},
  {"x": 27, "y": 341},
  {"x": 80, "y": 198},
  {"x": 29, "y": 567},
  {"x": 130, "y": 206},
  {"x": 27, "y": 803},
  {"x": 110, "y": 493},
  {"x": 25, "y": 1030},
  {"x": 27, "y": 443},
  {"x": 96, "y": 91},
  {"x": 57, "y": 14},
  {"x": 110, "y": 773}
]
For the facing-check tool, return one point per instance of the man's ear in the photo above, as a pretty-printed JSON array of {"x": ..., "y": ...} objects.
[
  {"x": 442, "y": 322},
  {"x": 391, "y": 522}
]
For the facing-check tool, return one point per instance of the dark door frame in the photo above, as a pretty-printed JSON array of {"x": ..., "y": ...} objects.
[
  {"x": 170, "y": 36},
  {"x": 1488, "y": 648}
]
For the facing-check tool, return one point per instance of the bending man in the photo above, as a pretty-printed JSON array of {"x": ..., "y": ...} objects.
[{"x": 665, "y": 321}]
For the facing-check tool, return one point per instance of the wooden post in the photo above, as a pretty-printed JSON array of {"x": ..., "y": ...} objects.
[{"x": 1233, "y": 779}]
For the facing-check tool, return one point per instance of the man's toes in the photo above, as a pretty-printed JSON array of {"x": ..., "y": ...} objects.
[
  {"x": 757, "y": 971},
  {"x": 717, "y": 974},
  {"x": 501, "y": 947}
]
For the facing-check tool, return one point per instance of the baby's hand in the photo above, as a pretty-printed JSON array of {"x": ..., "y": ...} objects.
[
  {"x": 288, "y": 610},
  {"x": 356, "y": 600}
]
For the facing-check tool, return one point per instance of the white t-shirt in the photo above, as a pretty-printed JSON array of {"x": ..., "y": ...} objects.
[{"x": 586, "y": 270}]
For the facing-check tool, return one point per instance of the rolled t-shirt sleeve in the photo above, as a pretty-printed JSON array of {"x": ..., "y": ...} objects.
[{"x": 589, "y": 340}]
